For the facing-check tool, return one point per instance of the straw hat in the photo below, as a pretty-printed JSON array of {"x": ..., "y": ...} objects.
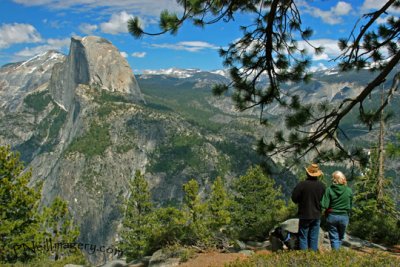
[{"x": 313, "y": 170}]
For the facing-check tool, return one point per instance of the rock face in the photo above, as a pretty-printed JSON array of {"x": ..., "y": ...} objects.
[
  {"x": 60, "y": 113},
  {"x": 92, "y": 61},
  {"x": 108, "y": 68},
  {"x": 19, "y": 79}
]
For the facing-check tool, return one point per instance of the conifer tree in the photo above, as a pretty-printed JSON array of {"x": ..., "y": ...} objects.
[
  {"x": 269, "y": 49},
  {"x": 219, "y": 206},
  {"x": 374, "y": 216},
  {"x": 137, "y": 222},
  {"x": 393, "y": 148},
  {"x": 19, "y": 217},
  {"x": 170, "y": 227},
  {"x": 258, "y": 206},
  {"x": 59, "y": 227},
  {"x": 197, "y": 232}
]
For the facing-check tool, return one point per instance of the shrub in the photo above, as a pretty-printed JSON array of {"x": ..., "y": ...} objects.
[
  {"x": 94, "y": 142},
  {"x": 38, "y": 101}
]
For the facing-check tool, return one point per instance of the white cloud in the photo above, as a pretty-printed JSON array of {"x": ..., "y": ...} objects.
[
  {"x": 191, "y": 46},
  {"x": 332, "y": 16},
  {"x": 51, "y": 44},
  {"x": 33, "y": 2},
  {"x": 17, "y": 33},
  {"x": 381, "y": 20},
  {"x": 372, "y": 5},
  {"x": 137, "y": 7},
  {"x": 318, "y": 67},
  {"x": 87, "y": 28},
  {"x": 322, "y": 56},
  {"x": 116, "y": 24},
  {"x": 138, "y": 54},
  {"x": 124, "y": 54},
  {"x": 342, "y": 8},
  {"x": 331, "y": 48}
]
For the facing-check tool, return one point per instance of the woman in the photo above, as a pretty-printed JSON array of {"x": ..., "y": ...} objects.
[{"x": 337, "y": 202}]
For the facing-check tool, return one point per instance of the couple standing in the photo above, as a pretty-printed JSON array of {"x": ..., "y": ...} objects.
[{"x": 312, "y": 197}]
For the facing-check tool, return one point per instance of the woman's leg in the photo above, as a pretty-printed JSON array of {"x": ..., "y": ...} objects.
[
  {"x": 332, "y": 224},
  {"x": 343, "y": 221}
]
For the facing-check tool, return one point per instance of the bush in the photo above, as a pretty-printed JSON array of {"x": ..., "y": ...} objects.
[
  {"x": 94, "y": 142},
  {"x": 371, "y": 222}
]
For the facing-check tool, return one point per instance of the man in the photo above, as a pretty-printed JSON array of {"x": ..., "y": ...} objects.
[{"x": 307, "y": 195}]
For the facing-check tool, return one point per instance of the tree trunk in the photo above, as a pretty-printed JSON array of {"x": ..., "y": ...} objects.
[{"x": 381, "y": 156}]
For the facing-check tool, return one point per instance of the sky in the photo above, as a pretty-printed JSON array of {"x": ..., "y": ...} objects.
[{"x": 30, "y": 27}]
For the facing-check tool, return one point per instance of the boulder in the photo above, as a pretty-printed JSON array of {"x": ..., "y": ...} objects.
[
  {"x": 355, "y": 242},
  {"x": 247, "y": 252},
  {"x": 292, "y": 226},
  {"x": 115, "y": 263}
]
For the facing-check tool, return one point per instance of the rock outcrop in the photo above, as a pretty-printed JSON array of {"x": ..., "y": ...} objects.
[
  {"x": 92, "y": 61},
  {"x": 19, "y": 79}
]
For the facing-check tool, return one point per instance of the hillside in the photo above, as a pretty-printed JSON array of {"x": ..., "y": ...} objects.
[{"x": 85, "y": 130}]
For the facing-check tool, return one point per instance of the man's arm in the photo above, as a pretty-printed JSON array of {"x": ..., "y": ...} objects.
[
  {"x": 296, "y": 194},
  {"x": 325, "y": 201}
]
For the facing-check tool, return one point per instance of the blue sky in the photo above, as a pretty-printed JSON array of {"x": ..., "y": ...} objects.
[{"x": 29, "y": 27}]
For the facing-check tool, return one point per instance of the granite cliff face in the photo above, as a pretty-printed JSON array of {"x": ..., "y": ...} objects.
[
  {"x": 92, "y": 61},
  {"x": 60, "y": 113},
  {"x": 19, "y": 79}
]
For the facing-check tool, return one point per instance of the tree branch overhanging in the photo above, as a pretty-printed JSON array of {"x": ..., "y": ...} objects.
[{"x": 268, "y": 49}]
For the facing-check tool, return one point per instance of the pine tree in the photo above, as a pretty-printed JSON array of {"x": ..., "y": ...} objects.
[
  {"x": 59, "y": 227},
  {"x": 219, "y": 206},
  {"x": 19, "y": 217},
  {"x": 137, "y": 224},
  {"x": 170, "y": 227},
  {"x": 258, "y": 206},
  {"x": 393, "y": 148},
  {"x": 193, "y": 206},
  {"x": 374, "y": 215},
  {"x": 269, "y": 48}
]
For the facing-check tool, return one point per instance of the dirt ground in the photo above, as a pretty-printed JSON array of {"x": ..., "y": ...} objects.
[{"x": 218, "y": 259}]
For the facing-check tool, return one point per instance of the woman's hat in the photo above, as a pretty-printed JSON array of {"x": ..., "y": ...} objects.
[{"x": 313, "y": 170}]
